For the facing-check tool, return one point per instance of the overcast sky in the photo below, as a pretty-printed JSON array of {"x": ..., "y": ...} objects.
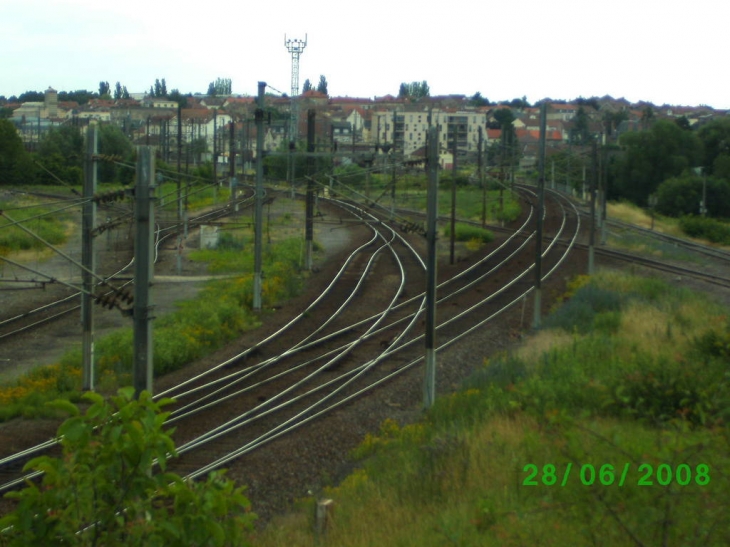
[{"x": 668, "y": 51}]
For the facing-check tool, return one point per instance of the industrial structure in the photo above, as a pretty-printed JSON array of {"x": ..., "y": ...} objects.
[{"x": 295, "y": 48}]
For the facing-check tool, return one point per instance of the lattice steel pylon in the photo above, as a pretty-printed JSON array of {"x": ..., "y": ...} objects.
[{"x": 296, "y": 48}]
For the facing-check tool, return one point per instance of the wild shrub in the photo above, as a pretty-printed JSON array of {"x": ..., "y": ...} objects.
[
  {"x": 469, "y": 232},
  {"x": 111, "y": 486},
  {"x": 579, "y": 313},
  {"x": 706, "y": 228},
  {"x": 714, "y": 343}
]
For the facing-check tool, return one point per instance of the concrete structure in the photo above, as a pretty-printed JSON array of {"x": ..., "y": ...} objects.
[{"x": 407, "y": 128}]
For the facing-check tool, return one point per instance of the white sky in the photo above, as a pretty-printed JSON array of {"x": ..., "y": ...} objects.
[{"x": 663, "y": 51}]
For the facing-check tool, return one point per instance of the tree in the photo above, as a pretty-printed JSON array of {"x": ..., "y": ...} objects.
[
  {"x": 179, "y": 98},
  {"x": 81, "y": 96},
  {"x": 104, "y": 90},
  {"x": 520, "y": 103},
  {"x": 414, "y": 90},
  {"x": 221, "y": 87},
  {"x": 580, "y": 134},
  {"x": 650, "y": 157},
  {"x": 683, "y": 123},
  {"x": 647, "y": 116},
  {"x": 506, "y": 151},
  {"x": 322, "y": 85},
  {"x": 478, "y": 100},
  {"x": 612, "y": 120},
  {"x": 106, "y": 490},
  {"x": 61, "y": 153},
  {"x": 31, "y": 97},
  {"x": 682, "y": 195},
  {"x": 593, "y": 102},
  {"x": 163, "y": 88},
  {"x": 158, "y": 88},
  {"x": 505, "y": 118},
  {"x": 307, "y": 86},
  {"x": 113, "y": 142},
  {"x": 715, "y": 137},
  {"x": 118, "y": 91},
  {"x": 15, "y": 163}
]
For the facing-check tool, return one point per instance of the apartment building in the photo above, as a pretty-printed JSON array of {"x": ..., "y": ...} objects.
[{"x": 407, "y": 129}]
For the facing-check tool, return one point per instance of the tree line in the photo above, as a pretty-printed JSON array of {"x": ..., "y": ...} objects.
[{"x": 60, "y": 155}]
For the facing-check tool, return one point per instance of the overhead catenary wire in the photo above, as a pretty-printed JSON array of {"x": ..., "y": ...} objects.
[{"x": 52, "y": 247}]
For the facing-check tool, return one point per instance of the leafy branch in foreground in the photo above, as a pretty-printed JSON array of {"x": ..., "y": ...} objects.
[{"x": 107, "y": 490}]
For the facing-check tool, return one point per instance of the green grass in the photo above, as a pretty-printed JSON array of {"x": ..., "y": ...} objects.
[
  {"x": 200, "y": 195},
  {"x": 469, "y": 232},
  {"x": 641, "y": 378},
  {"x": 53, "y": 228},
  {"x": 468, "y": 204},
  {"x": 645, "y": 244},
  {"x": 220, "y": 312}
]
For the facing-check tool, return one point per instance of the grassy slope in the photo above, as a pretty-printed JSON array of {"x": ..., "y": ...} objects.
[
  {"x": 217, "y": 315},
  {"x": 627, "y": 371}
]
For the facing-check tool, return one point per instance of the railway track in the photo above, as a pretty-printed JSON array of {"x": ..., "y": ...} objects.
[
  {"x": 348, "y": 348},
  {"x": 55, "y": 309}
]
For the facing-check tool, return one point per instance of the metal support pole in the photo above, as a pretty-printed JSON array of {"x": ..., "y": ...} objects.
[
  {"x": 392, "y": 186},
  {"x": 452, "y": 235},
  {"x": 309, "y": 221},
  {"x": 592, "y": 237},
  {"x": 481, "y": 178},
  {"x": 143, "y": 269},
  {"x": 88, "y": 259},
  {"x": 429, "y": 384},
  {"x": 179, "y": 159},
  {"x": 215, "y": 146},
  {"x": 233, "y": 181},
  {"x": 604, "y": 201},
  {"x": 258, "y": 198},
  {"x": 537, "y": 320}
]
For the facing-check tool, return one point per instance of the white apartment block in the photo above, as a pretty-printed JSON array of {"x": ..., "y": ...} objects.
[{"x": 408, "y": 129}]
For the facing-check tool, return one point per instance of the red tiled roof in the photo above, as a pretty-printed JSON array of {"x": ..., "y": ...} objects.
[
  {"x": 240, "y": 100},
  {"x": 350, "y": 100},
  {"x": 197, "y": 113}
]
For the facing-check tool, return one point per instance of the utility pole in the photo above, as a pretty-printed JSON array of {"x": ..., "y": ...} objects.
[
  {"x": 179, "y": 158},
  {"x": 452, "y": 236},
  {"x": 215, "y": 146},
  {"x": 232, "y": 161},
  {"x": 88, "y": 259},
  {"x": 540, "y": 207},
  {"x": 604, "y": 201},
  {"x": 143, "y": 269},
  {"x": 309, "y": 221},
  {"x": 258, "y": 198},
  {"x": 592, "y": 237},
  {"x": 429, "y": 384},
  {"x": 481, "y": 178}
]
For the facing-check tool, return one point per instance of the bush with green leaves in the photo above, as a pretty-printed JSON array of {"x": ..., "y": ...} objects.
[
  {"x": 706, "y": 228},
  {"x": 111, "y": 486},
  {"x": 468, "y": 232}
]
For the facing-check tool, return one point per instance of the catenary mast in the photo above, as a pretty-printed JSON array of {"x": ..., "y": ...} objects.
[{"x": 296, "y": 48}]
